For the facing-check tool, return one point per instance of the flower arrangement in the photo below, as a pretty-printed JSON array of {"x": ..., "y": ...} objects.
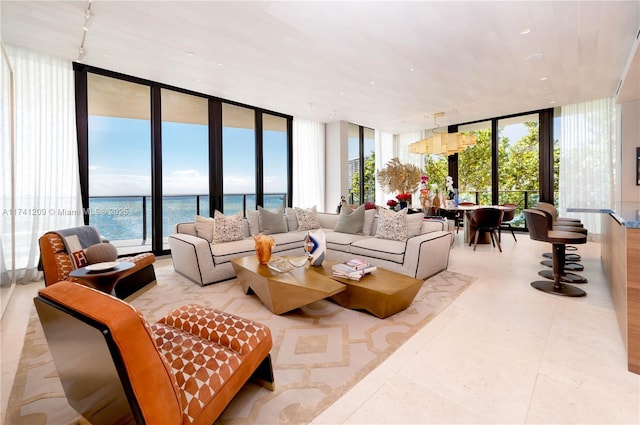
[
  {"x": 404, "y": 197},
  {"x": 370, "y": 205},
  {"x": 397, "y": 177},
  {"x": 391, "y": 203}
]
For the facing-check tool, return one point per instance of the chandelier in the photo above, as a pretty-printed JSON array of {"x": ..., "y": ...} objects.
[{"x": 442, "y": 143}]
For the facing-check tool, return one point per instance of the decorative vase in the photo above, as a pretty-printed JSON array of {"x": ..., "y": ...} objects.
[
  {"x": 436, "y": 202},
  {"x": 403, "y": 205},
  {"x": 264, "y": 245}
]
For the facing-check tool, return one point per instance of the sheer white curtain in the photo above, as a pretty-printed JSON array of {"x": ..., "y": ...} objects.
[
  {"x": 308, "y": 164},
  {"x": 47, "y": 186},
  {"x": 587, "y": 159}
]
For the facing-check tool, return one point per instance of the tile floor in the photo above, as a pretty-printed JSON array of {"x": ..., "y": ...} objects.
[{"x": 501, "y": 353}]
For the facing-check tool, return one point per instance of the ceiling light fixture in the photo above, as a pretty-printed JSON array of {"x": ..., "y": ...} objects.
[
  {"x": 442, "y": 142},
  {"x": 82, "y": 52}
]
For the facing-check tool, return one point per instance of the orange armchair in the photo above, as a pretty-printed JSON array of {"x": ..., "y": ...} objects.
[
  {"x": 117, "y": 368},
  {"x": 57, "y": 262}
]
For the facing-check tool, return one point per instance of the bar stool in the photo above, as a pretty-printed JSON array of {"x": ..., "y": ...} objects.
[
  {"x": 552, "y": 213},
  {"x": 539, "y": 230}
]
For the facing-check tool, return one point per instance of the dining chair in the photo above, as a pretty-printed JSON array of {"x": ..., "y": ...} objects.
[
  {"x": 459, "y": 216},
  {"x": 486, "y": 220},
  {"x": 508, "y": 215}
]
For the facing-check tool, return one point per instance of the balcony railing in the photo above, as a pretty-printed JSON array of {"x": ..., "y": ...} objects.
[{"x": 126, "y": 220}]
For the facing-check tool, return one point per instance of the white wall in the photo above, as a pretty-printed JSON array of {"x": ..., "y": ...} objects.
[
  {"x": 336, "y": 174},
  {"x": 385, "y": 150},
  {"x": 630, "y": 140}
]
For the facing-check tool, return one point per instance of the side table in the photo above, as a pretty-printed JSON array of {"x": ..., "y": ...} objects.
[{"x": 103, "y": 280}]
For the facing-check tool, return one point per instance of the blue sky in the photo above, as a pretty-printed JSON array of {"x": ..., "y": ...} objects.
[{"x": 120, "y": 156}]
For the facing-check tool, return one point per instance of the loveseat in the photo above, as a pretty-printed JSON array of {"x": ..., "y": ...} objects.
[
  {"x": 62, "y": 251},
  {"x": 423, "y": 252}
]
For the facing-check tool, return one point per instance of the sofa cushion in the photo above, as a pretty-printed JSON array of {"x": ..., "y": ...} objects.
[
  {"x": 289, "y": 240},
  {"x": 392, "y": 225},
  {"x": 369, "y": 218},
  {"x": 414, "y": 224},
  {"x": 227, "y": 228},
  {"x": 292, "y": 221},
  {"x": 339, "y": 241},
  {"x": 271, "y": 222},
  {"x": 350, "y": 220},
  {"x": 204, "y": 227},
  {"x": 254, "y": 223},
  {"x": 307, "y": 218},
  {"x": 225, "y": 252},
  {"x": 377, "y": 248}
]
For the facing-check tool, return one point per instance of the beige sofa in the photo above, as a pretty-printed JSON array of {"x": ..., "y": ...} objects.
[{"x": 424, "y": 253}]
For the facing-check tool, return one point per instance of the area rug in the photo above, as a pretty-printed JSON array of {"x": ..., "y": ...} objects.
[{"x": 320, "y": 351}]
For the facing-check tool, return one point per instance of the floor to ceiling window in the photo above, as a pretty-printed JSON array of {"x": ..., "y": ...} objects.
[
  {"x": 185, "y": 158},
  {"x": 361, "y": 164},
  {"x": 239, "y": 158},
  {"x": 119, "y": 152},
  {"x": 518, "y": 163},
  {"x": 274, "y": 161},
  {"x": 474, "y": 165},
  {"x": 152, "y": 156}
]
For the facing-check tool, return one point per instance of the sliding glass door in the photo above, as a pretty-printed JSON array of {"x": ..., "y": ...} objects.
[
  {"x": 185, "y": 159},
  {"x": 474, "y": 165},
  {"x": 119, "y": 151}
]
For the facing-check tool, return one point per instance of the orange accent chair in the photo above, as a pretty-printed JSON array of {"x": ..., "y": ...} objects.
[
  {"x": 57, "y": 262},
  {"x": 116, "y": 368}
]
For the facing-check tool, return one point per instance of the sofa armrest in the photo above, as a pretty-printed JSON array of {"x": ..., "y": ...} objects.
[
  {"x": 428, "y": 253},
  {"x": 191, "y": 257},
  {"x": 186, "y": 228},
  {"x": 236, "y": 333}
]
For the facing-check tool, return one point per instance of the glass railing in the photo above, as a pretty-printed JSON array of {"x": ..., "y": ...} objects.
[
  {"x": 522, "y": 198},
  {"x": 126, "y": 220}
]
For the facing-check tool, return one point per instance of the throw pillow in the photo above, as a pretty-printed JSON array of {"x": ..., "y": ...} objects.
[
  {"x": 272, "y": 221},
  {"x": 227, "y": 228},
  {"x": 392, "y": 225},
  {"x": 292, "y": 221},
  {"x": 414, "y": 224},
  {"x": 101, "y": 253},
  {"x": 254, "y": 225},
  {"x": 204, "y": 227},
  {"x": 77, "y": 254},
  {"x": 369, "y": 217},
  {"x": 307, "y": 218},
  {"x": 350, "y": 220}
]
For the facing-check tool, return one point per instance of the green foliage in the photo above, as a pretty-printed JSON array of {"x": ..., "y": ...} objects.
[{"x": 369, "y": 180}]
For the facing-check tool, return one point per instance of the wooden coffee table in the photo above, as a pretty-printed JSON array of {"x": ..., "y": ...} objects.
[
  {"x": 283, "y": 292},
  {"x": 381, "y": 293}
]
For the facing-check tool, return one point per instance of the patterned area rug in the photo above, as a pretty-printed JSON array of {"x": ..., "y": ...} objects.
[{"x": 320, "y": 351}]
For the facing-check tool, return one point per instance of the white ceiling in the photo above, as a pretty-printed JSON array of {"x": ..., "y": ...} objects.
[{"x": 385, "y": 65}]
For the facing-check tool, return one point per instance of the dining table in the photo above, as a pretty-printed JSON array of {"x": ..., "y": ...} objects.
[{"x": 469, "y": 230}]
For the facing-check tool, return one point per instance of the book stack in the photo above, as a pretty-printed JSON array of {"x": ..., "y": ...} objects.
[{"x": 352, "y": 269}]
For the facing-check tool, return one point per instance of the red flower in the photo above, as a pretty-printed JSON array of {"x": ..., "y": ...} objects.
[
  {"x": 392, "y": 203},
  {"x": 404, "y": 197}
]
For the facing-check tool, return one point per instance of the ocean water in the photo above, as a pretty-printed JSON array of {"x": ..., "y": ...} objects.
[{"x": 129, "y": 217}]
